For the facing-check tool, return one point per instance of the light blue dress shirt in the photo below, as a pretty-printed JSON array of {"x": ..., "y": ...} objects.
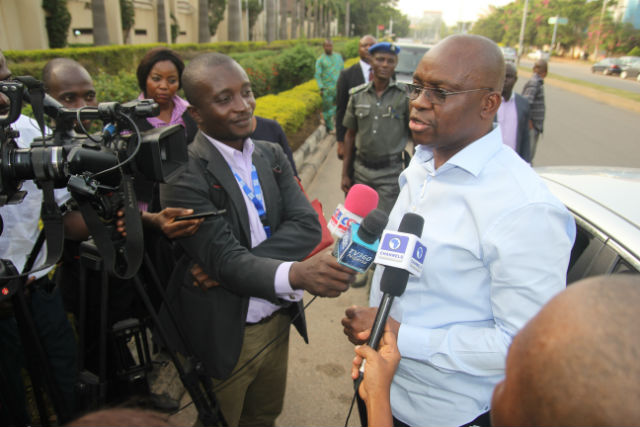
[{"x": 498, "y": 245}]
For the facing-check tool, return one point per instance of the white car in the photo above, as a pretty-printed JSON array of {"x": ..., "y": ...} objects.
[
  {"x": 539, "y": 54},
  {"x": 604, "y": 203},
  {"x": 510, "y": 54}
]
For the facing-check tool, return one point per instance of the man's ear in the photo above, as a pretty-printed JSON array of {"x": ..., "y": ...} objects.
[
  {"x": 193, "y": 111},
  {"x": 491, "y": 103}
]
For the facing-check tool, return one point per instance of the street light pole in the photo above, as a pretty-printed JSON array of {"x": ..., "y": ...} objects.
[
  {"x": 595, "y": 50},
  {"x": 522, "y": 27}
]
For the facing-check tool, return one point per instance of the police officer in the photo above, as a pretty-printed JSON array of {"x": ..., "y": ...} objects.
[{"x": 377, "y": 122}]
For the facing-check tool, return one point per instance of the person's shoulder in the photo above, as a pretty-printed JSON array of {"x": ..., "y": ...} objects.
[{"x": 357, "y": 89}]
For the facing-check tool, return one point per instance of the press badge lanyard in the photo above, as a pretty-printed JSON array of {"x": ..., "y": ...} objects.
[{"x": 255, "y": 196}]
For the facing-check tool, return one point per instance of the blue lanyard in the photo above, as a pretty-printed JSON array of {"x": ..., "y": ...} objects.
[{"x": 255, "y": 196}]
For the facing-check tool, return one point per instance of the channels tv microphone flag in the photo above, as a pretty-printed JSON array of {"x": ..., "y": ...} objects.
[
  {"x": 360, "y": 200},
  {"x": 402, "y": 254}
]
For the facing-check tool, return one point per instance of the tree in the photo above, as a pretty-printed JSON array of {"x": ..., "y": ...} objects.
[
  {"x": 204, "y": 31},
  {"x": 255, "y": 8},
  {"x": 100, "y": 31},
  {"x": 283, "y": 20},
  {"x": 234, "y": 17},
  {"x": 271, "y": 20},
  {"x": 57, "y": 22},
  {"x": 162, "y": 22},
  {"x": 127, "y": 17},
  {"x": 215, "y": 14}
]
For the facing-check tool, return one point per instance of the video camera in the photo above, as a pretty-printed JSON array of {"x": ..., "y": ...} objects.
[{"x": 96, "y": 169}]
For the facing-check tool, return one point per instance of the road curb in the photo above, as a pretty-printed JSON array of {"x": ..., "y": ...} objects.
[
  {"x": 606, "y": 98},
  {"x": 312, "y": 153}
]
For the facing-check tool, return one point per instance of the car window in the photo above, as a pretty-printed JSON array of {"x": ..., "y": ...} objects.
[
  {"x": 586, "y": 249},
  {"x": 408, "y": 59}
]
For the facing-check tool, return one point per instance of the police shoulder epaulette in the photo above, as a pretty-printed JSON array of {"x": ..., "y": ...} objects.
[{"x": 357, "y": 88}]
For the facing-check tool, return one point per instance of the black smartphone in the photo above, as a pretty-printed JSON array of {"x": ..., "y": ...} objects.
[{"x": 200, "y": 215}]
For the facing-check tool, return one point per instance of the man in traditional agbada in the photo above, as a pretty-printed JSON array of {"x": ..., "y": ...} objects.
[{"x": 328, "y": 67}]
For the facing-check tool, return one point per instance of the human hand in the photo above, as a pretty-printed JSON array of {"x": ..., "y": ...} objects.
[
  {"x": 120, "y": 223},
  {"x": 202, "y": 279},
  {"x": 340, "y": 149},
  {"x": 358, "y": 323},
  {"x": 164, "y": 221},
  {"x": 378, "y": 373},
  {"x": 346, "y": 183},
  {"x": 321, "y": 275}
]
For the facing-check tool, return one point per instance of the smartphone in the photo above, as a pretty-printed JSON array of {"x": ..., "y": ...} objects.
[{"x": 200, "y": 215}]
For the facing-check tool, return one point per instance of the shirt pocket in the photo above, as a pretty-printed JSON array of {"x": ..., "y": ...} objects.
[{"x": 362, "y": 111}]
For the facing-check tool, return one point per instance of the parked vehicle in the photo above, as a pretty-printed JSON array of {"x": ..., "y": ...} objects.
[
  {"x": 539, "y": 54},
  {"x": 607, "y": 217},
  {"x": 510, "y": 54},
  {"x": 631, "y": 70},
  {"x": 408, "y": 59},
  {"x": 608, "y": 67}
]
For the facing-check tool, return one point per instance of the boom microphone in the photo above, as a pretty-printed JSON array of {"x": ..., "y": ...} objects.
[
  {"x": 358, "y": 246},
  {"x": 360, "y": 200}
]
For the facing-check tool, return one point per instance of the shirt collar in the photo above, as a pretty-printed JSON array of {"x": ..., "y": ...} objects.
[
  {"x": 230, "y": 152},
  {"x": 471, "y": 158}
]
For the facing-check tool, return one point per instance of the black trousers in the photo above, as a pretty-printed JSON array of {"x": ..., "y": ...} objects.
[{"x": 483, "y": 420}]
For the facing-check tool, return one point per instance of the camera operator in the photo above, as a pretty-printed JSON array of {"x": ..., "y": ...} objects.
[
  {"x": 21, "y": 229},
  {"x": 70, "y": 83}
]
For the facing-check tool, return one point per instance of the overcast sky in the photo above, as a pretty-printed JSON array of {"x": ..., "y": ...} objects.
[{"x": 452, "y": 10}]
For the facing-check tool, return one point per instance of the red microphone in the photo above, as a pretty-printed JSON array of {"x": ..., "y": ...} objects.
[{"x": 361, "y": 199}]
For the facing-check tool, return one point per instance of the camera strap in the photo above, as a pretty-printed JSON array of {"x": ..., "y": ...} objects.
[
  {"x": 116, "y": 255},
  {"x": 36, "y": 99}
]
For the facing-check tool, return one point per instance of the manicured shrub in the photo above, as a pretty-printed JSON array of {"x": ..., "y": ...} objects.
[{"x": 292, "y": 107}]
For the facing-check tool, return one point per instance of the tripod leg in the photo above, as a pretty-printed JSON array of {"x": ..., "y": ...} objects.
[
  {"x": 208, "y": 412},
  {"x": 104, "y": 303},
  {"x": 37, "y": 361}
]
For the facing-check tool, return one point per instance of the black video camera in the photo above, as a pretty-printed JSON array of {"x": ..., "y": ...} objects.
[{"x": 96, "y": 168}]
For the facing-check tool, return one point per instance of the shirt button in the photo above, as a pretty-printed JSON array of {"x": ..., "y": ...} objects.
[
  {"x": 375, "y": 117},
  {"x": 374, "y": 131},
  {"x": 292, "y": 297}
]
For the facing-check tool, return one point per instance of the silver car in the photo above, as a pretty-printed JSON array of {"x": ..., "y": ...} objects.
[
  {"x": 605, "y": 204},
  {"x": 408, "y": 59}
]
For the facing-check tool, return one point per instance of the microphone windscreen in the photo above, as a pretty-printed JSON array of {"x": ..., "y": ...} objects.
[
  {"x": 373, "y": 225},
  {"x": 361, "y": 199},
  {"x": 394, "y": 280}
]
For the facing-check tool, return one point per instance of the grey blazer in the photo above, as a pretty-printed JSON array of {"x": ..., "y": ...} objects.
[
  {"x": 214, "y": 319},
  {"x": 523, "y": 144}
]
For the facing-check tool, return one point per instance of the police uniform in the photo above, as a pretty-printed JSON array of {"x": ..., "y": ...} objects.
[{"x": 382, "y": 130}]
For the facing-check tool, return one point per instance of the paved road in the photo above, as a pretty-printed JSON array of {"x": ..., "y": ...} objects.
[
  {"x": 582, "y": 70},
  {"x": 584, "y": 131}
]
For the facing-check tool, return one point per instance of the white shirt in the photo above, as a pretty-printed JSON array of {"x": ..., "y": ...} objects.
[
  {"x": 240, "y": 162},
  {"x": 498, "y": 245},
  {"x": 365, "y": 70},
  {"x": 21, "y": 221}
]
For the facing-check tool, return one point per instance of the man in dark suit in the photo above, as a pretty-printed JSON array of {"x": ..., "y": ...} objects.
[
  {"x": 250, "y": 252},
  {"x": 513, "y": 116},
  {"x": 353, "y": 76}
]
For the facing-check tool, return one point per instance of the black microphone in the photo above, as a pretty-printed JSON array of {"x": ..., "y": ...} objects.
[
  {"x": 394, "y": 280},
  {"x": 357, "y": 247}
]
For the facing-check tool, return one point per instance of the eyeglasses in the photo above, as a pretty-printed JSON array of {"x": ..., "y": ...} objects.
[{"x": 435, "y": 96}]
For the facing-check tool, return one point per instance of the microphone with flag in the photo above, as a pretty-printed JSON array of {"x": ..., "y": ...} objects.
[
  {"x": 360, "y": 200},
  {"x": 402, "y": 253},
  {"x": 357, "y": 247}
]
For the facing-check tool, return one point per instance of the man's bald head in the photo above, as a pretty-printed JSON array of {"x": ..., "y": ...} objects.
[
  {"x": 540, "y": 68},
  {"x": 198, "y": 72},
  {"x": 69, "y": 83},
  {"x": 576, "y": 362},
  {"x": 479, "y": 60}
]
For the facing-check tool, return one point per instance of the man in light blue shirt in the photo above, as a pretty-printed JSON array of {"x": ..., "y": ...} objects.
[{"x": 498, "y": 243}]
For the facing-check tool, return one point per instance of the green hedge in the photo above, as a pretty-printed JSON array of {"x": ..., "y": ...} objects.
[
  {"x": 112, "y": 59},
  {"x": 291, "y": 107}
]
